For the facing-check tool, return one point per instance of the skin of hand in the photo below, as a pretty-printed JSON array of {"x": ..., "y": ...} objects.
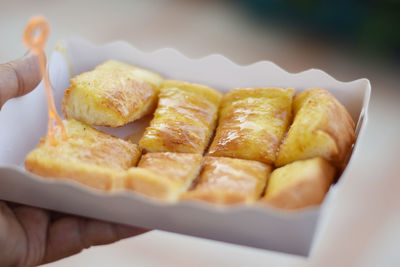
[{"x": 32, "y": 236}]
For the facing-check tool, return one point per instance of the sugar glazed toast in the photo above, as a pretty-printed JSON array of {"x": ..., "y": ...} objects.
[
  {"x": 230, "y": 181},
  {"x": 306, "y": 137},
  {"x": 113, "y": 94},
  {"x": 184, "y": 120},
  {"x": 164, "y": 175},
  {"x": 299, "y": 184},
  {"x": 322, "y": 127},
  {"x": 88, "y": 156},
  {"x": 252, "y": 122}
]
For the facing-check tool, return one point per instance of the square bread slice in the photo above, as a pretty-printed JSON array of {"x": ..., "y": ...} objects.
[
  {"x": 164, "y": 175},
  {"x": 230, "y": 181},
  {"x": 88, "y": 156},
  {"x": 184, "y": 120},
  {"x": 321, "y": 127},
  {"x": 113, "y": 94},
  {"x": 299, "y": 184},
  {"x": 252, "y": 122}
]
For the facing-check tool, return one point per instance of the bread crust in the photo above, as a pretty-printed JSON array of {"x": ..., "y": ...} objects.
[
  {"x": 229, "y": 181},
  {"x": 252, "y": 122},
  {"x": 322, "y": 127},
  {"x": 299, "y": 184},
  {"x": 113, "y": 94},
  {"x": 164, "y": 175},
  {"x": 88, "y": 156},
  {"x": 184, "y": 120}
]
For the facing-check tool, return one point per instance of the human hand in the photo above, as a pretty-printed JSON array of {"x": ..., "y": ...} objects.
[
  {"x": 18, "y": 77},
  {"x": 31, "y": 236}
]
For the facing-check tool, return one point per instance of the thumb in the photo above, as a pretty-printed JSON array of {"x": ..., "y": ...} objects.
[{"x": 19, "y": 77}]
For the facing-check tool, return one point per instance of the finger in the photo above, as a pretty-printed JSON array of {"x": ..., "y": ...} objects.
[
  {"x": 55, "y": 216},
  {"x": 70, "y": 235},
  {"x": 34, "y": 222},
  {"x": 12, "y": 205},
  {"x": 12, "y": 238},
  {"x": 19, "y": 77}
]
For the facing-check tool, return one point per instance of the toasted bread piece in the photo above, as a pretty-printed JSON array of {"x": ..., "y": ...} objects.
[
  {"x": 113, "y": 94},
  {"x": 164, "y": 175},
  {"x": 88, "y": 156},
  {"x": 230, "y": 181},
  {"x": 252, "y": 123},
  {"x": 321, "y": 127},
  {"x": 299, "y": 184},
  {"x": 184, "y": 120}
]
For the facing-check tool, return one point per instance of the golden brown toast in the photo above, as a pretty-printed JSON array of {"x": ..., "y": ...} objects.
[
  {"x": 164, "y": 175},
  {"x": 252, "y": 123},
  {"x": 230, "y": 181},
  {"x": 321, "y": 127},
  {"x": 299, "y": 184},
  {"x": 113, "y": 94},
  {"x": 184, "y": 120},
  {"x": 88, "y": 156}
]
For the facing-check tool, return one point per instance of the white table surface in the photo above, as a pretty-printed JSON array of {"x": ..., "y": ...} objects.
[{"x": 198, "y": 28}]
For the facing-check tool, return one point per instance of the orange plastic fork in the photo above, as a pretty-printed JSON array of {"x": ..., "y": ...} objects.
[{"x": 35, "y": 38}]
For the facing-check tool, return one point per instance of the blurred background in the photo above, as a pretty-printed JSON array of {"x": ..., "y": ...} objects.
[
  {"x": 348, "y": 39},
  {"x": 336, "y": 36}
]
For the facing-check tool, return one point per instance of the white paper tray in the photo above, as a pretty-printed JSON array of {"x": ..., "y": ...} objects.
[{"x": 23, "y": 122}]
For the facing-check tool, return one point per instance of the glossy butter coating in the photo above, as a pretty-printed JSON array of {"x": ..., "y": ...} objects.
[
  {"x": 322, "y": 127},
  {"x": 299, "y": 184},
  {"x": 184, "y": 119},
  {"x": 113, "y": 94},
  {"x": 252, "y": 122},
  {"x": 88, "y": 156},
  {"x": 230, "y": 181},
  {"x": 169, "y": 174}
]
